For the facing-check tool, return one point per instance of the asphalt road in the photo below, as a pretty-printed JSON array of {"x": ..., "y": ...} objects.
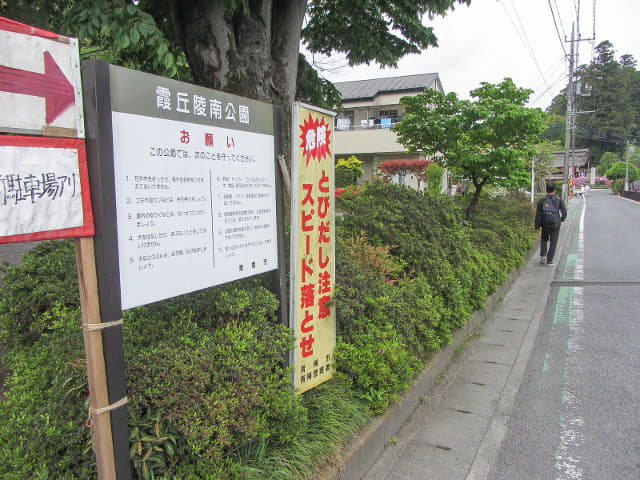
[{"x": 577, "y": 414}]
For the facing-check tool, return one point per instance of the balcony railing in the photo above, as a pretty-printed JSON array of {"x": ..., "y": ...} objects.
[{"x": 371, "y": 124}]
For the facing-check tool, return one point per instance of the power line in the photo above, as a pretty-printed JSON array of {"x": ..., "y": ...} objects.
[
  {"x": 564, "y": 33},
  {"x": 594, "y": 133},
  {"x": 557, "y": 31},
  {"x": 525, "y": 39},
  {"x": 607, "y": 136},
  {"x": 555, "y": 82}
]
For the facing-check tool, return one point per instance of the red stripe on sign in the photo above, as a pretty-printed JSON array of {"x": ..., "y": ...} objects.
[{"x": 17, "y": 27}]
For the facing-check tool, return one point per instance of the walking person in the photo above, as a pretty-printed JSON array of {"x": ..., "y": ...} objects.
[{"x": 550, "y": 213}]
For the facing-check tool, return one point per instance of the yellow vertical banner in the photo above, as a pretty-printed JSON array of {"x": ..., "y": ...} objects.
[{"x": 312, "y": 246}]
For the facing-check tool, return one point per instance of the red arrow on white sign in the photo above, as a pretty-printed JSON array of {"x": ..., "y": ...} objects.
[{"x": 52, "y": 85}]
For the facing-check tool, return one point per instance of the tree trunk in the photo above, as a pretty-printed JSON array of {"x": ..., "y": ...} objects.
[
  {"x": 253, "y": 55},
  {"x": 471, "y": 208}
]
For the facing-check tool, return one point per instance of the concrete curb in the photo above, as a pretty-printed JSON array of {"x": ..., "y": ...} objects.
[{"x": 362, "y": 452}]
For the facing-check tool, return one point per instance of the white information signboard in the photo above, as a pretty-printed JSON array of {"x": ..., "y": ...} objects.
[
  {"x": 44, "y": 190},
  {"x": 195, "y": 202}
]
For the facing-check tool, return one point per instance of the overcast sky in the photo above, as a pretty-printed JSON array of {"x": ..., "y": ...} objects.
[{"x": 494, "y": 39}]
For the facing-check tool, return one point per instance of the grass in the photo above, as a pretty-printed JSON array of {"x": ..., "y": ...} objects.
[{"x": 335, "y": 416}]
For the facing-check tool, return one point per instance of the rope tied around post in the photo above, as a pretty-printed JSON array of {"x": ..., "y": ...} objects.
[
  {"x": 98, "y": 411},
  {"x": 91, "y": 327},
  {"x": 93, "y": 412}
]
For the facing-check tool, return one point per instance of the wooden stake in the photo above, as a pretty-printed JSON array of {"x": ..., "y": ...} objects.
[{"x": 96, "y": 371}]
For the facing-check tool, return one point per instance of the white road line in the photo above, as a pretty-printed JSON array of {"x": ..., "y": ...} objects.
[{"x": 568, "y": 454}]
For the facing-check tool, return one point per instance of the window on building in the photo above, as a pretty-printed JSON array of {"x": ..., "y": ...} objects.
[
  {"x": 392, "y": 114},
  {"x": 345, "y": 120},
  {"x": 403, "y": 178}
]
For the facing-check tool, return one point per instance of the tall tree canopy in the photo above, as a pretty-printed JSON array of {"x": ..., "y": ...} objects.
[
  {"x": 609, "y": 90},
  {"x": 246, "y": 47},
  {"x": 489, "y": 140}
]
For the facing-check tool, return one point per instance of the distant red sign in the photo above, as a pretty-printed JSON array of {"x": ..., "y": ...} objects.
[{"x": 316, "y": 138}]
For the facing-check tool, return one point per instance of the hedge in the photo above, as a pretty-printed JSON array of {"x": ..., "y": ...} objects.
[{"x": 210, "y": 396}]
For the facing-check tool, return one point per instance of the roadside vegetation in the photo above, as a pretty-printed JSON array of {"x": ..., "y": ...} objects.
[{"x": 209, "y": 395}]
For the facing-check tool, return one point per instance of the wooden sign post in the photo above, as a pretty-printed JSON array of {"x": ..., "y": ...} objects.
[{"x": 44, "y": 191}]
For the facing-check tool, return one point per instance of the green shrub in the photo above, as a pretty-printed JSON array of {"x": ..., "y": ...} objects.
[
  {"x": 42, "y": 432},
  {"x": 210, "y": 363},
  {"x": 378, "y": 363},
  {"x": 619, "y": 171},
  {"x": 348, "y": 171},
  {"x": 433, "y": 179},
  {"x": 208, "y": 368},
  {"x": 618, "y": 185},
  {"x": 503, "y": 231},
  {"x": 428, "y": 237},
  {"x": 45, "y": 281},
  {"x": 221, "y": 388}
]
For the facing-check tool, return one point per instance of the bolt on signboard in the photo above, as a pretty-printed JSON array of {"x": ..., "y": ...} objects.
[{"x": 312, "y": 246}]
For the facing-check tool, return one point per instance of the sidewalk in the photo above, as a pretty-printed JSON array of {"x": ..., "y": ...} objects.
[{"x": 458, "y": 425}]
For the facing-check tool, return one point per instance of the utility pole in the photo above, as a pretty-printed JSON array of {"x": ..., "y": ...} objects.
[
  {"x": 626, "y": 174},
  {"x": 533, "y": 179},
  {"x": 569, "y": 122}
]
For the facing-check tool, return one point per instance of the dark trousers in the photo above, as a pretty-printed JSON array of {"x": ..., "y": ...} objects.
[{"x": 549, "y": 234}]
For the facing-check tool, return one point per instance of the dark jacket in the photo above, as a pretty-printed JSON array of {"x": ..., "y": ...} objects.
[{"x": 562, "y": 209}]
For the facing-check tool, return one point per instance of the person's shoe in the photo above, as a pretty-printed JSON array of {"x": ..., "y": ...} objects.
[
  {"x": 550, "y": 264},
  {"x": 543, "y": 260}
]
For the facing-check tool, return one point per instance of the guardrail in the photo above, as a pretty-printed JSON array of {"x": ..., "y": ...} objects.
[{"x": 631, "y": 195}]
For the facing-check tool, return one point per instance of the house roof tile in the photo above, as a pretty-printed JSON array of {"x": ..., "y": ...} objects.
[
  {"x": 579, "y": 158},
  {"x": 360, "y": 89}
]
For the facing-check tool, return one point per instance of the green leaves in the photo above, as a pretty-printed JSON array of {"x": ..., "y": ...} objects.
[
  {"x": 487, "y": 141},
  {"x": 619, "y": 170},
  {"x": 410, "y": 271},
  {"x": 372, "y": 30},
  {"x": 153, "y": 443},
  {"x": 122, "y": 33},
  {"x": 348, "y": 171}
]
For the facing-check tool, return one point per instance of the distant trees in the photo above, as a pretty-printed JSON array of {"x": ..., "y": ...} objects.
[
  {"x": 610, "y": 90},
  {"x": 606, "y": 162},
  {"x": 489, "y": 140},
  {"x": 618, "y": 173}
]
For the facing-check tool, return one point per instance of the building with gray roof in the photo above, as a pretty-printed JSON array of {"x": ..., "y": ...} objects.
[{"x": 369, "y": 109}]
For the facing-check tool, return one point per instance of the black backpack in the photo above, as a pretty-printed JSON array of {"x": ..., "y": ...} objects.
[{"x": 551, "y": 211}]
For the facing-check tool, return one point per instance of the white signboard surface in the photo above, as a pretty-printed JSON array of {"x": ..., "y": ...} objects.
[
  {"x": 195, "y": 206},
  {"x": 39, "y": 84},
  {"x": 39, "y": 189}
]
